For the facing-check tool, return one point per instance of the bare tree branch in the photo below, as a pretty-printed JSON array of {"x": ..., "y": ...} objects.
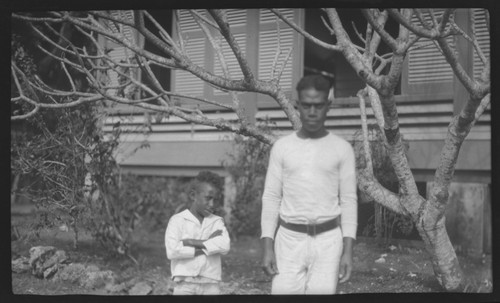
[
  {"x": 304, "y": 33},
  {"x": 366, "y": 179},
  {"x": 217, "y": 47},
  {"x": 350, "y": 52},
  {"x": 485, "y": 102},
  {"x": 219, "y": 17},
  {"x": 379, "y": 28},
  {"x": 421, "y": 32}
]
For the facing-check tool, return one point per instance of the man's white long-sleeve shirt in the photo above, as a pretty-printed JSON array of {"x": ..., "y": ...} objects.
[
  {"x": 310, "y": 181},
  {"x": 185, "y": 225}
]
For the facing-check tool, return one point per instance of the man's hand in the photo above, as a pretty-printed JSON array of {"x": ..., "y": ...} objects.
[
  {"x": 345, "y": 269},
  {"x": 215, "y": 234},
  {"x": 269, "y": 258}
]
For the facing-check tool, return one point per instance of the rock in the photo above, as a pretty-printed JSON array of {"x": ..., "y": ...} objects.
[
  {"x": 49, "y": 272},
  {"x": 39, "y": 252},
  {"x": 21, "y": 265},
  {"x": 162, "y": 286},
  {"x": 140, "y": 289},
  {"x": 91, "y": 268},
  {"x": 71, "y": 273},
  {"x": 46, "y": 260},
  {"x": 57, "y": 258},
  {"x": 96, "y": 279},
  {"x": 116, "y": 288},
  {"x": 87, "y": 276}
]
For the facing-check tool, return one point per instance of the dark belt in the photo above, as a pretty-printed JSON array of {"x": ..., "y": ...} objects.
[{"x": 311, "y": 229}]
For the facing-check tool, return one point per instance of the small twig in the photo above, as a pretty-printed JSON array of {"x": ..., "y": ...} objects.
[
  {"x": 358, "y": 33},
  {"x": 422, "y": 20},
  {"x": 304, "y": 33},
  {"x": 278, "y": 50},
  {"x": 433, "y": 17},
  {"x": 288, "y": 55},
  {"x": 72, "y": 83},
  {"x": 473, "y": 41},
  {"x": 163, "y": 33},
  {"x": 364, "y": 127},
  {"x": 179, "y": 32},
  {"x": 328, "y": 27},
  {"x": 205, "y": 19},
  {"x": 485, "y": 102}
]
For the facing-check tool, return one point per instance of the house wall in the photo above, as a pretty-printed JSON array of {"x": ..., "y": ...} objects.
[{"x": 428, "y": 98}]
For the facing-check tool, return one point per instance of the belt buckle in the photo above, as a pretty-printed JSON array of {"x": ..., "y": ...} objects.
[{"x": 311, "y": 229}]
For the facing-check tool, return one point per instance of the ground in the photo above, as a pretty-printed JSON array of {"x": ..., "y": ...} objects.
[{"x": 400, "y": 266}]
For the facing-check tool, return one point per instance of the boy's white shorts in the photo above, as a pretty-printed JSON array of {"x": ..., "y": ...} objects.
[{"x": 189, "y": 288}]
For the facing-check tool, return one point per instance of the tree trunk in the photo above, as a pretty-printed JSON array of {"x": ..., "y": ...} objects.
[{"x": 431, "y": 228}]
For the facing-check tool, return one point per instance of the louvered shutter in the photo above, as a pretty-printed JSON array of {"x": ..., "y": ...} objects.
[
  {"x": 195, "y": 46},
  {"x": 483, "y": 38},
  {"x": 269, "y": 36},
  {"x": 120, "y": 53},
  {"x": 428, "y": 71},
  {"x": 256, "y": 32}
]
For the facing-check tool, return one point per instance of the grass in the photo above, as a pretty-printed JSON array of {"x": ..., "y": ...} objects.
[{"x": 407, "y": 268}]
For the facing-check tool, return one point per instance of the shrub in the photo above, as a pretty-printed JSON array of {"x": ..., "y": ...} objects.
[{"x": 247, "y": 165}]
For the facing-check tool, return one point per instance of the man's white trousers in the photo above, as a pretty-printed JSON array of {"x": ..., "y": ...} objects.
[{"x": 307, "y": 264}]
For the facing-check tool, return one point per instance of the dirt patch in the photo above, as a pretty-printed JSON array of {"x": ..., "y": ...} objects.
[{"x": 400, "y": 267}]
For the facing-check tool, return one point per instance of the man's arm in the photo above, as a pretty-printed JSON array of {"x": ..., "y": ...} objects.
[
  {"x": 345, "y": 269},
  {"x": 269, "y": 258},
  {"x": 271, "y": 200},
  {"x": 349, "y": 210},
  {"x": 272, "y": 195}
]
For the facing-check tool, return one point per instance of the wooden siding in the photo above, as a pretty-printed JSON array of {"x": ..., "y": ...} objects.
[{"x": 419, "y": 120}]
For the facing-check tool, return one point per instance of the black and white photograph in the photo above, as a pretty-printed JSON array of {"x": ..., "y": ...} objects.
[{"x": 251, "y": 151}]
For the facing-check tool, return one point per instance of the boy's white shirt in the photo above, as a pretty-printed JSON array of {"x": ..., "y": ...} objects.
[{"x": 185, "y": 225}]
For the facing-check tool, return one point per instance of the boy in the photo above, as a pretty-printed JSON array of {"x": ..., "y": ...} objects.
[{"x": 195, "y": 239}]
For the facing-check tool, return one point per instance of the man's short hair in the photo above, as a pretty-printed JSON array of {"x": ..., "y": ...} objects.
[{"x": 317, "y": 82}]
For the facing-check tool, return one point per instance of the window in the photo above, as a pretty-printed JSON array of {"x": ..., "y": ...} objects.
[
  {"x": 256, "y": 32},
  {"x": 164, "y": 18}
]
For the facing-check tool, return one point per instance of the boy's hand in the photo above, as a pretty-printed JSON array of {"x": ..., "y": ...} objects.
[
  {"x": 215, "y": 234},
  {"x": 198, "y": 251}
]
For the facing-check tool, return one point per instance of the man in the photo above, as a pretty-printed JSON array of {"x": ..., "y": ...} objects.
[{"x": 309, "y": 207}]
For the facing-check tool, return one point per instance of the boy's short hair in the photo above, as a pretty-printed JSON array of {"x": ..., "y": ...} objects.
[
  {"x": 317, "y": 82},
  {"x": 207, "y": 177}
]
